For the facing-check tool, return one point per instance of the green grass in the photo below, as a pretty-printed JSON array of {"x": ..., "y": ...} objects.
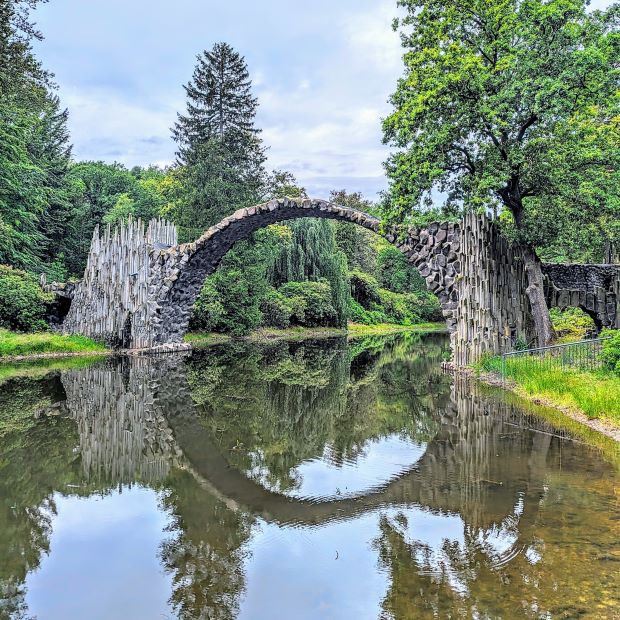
[
  {"x": 354, "y": 330},
  {"x": 13, "y": 343},
  {"x": 357, "y": 329},
  {"x": 595, "y": 393},
  {"x": 34, "y": 369}
]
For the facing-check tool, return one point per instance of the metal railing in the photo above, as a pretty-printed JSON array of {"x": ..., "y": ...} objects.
[{"x": 582, "y": 355}]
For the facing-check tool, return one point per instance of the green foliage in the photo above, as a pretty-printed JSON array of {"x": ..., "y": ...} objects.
[
  {"x": 95, "y": 187},
  {"x": 312, "y": 303},
  {"x": 509, "y": 106},
  {"x": 364, "y": 288},
  {"x": 596, "y": 394},
  {"x": 396, "y": 274},
  {"x": 34, "y": 149},
  {"x": 22, "y": 301},
  {"x": 312, "y": 254},
  {"x": 230, "y": 302},
  {"x": 208, "y": 310},
  {"x": 12, "y": 344},
  {"x": 372, "y": 305},
  {"x": 278, "y": 309},
  {"x": 219, "y": 150},
  {"x": 358, "y": 244},
  {"x": 611, "y": 350},
  {"x": 231, "y": 298},
  {"x": 283, "y": 184},
  {"x": 212, "y": 188},
  {"x": 572, "y": 324},
  {"x": 520, "y": 344}
]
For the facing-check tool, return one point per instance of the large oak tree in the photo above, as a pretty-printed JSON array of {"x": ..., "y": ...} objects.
[{"x": 509, "y": 106}]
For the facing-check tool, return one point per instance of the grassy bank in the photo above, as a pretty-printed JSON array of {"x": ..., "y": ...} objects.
[
  {"x": 354, "y": 330},
  {"x": 596, "y": 394},
  {"x": 13, "y": 344}
]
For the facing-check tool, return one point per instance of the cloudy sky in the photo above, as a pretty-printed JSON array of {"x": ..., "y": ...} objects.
[{"x": 322, "y": 70}]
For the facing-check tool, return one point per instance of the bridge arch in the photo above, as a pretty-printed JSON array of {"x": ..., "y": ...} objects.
[
  {"x": 434, "y": 251},
  {"x": 139, "y": 286}
]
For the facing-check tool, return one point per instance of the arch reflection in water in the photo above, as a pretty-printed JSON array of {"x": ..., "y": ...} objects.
[{"x": 254, "y": 451}]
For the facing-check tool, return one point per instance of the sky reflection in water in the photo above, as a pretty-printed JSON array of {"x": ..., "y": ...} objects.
[{"x": 328, "y": 480}]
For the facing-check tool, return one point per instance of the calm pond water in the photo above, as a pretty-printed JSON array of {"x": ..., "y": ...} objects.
[{"x": 316, "y": 479}]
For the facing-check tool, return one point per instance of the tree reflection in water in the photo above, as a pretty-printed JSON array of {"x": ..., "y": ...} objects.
[{"x": 226, "y": 437}]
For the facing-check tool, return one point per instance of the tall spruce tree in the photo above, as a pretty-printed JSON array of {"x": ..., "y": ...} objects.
[{"x": 219, "y": 148}]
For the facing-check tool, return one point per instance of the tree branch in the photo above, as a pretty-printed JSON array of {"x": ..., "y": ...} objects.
[
  {"x": 470, "y": 162},
  {"x": 528, "y": 123}
]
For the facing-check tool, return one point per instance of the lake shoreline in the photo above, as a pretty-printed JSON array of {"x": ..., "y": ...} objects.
[
  {"x": 603, "y": 426},
  {"x": 263, "y": 335}
]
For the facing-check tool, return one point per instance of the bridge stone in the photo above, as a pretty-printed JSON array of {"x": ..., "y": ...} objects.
[{"x": 139, "y": 286}]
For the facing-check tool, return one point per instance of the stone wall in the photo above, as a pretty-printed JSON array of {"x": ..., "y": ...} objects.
[
  {"x": 493, "y": 308},
  {"x": 593, "y": 288},
  {"x": 114, "y": 301}
]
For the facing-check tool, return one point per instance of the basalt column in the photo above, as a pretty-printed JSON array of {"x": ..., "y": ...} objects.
[
  {"x": 114, "y": 302},
  {"x": 493, "y": 309}
]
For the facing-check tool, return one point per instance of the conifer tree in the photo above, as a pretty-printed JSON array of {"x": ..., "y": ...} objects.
[
  {"x": 34, "y": 147},
  {"x": 219, "y": 147}
]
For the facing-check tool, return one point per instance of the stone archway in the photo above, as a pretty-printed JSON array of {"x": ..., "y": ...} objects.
[
  {"x": 434, "y": 251},
  {"x": 145, "y": 283}
]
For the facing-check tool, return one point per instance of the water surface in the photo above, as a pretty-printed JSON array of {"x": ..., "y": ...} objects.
[{"x": 317, "y": 479}]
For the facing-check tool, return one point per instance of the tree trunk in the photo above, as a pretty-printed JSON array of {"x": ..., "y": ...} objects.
[
  {"x": 536, "y": 294},
  {"x": 545, "y": 334}
]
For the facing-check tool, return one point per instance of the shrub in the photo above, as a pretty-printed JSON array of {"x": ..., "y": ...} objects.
[
  {"x": 312, "y": 303},
  {"x": 23, "y": 304},
  {"x": 611, "y": 350},
  {"x": 359, "y": 314},
  {"x": 278, "y": 309},
  {"x": 571, "y": 324},
  {"x": 427, "y": 306},
  {"x": 364, "y": 288},
  {"x": 397, "y": 308},
  {"x": 208, "y": 309}
]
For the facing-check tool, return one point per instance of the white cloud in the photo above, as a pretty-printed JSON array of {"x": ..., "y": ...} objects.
[
  {"x": 330, "y": 128},
  {"x": 106, "y": 126},
  {"x": 322, "y": 75}
]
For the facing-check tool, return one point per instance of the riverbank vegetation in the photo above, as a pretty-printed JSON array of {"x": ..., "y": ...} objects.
[
  {"x": 353, "y": 330},
  {"x": 594, "y": 393},
  {"x": 14, "y": 344}
]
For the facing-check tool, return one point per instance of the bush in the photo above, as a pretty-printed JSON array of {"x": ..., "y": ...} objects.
[
  {"x": 611, "y": 350},
  {"x": 572, "y": 324},
  {"x": 208, "y": 309},
  {"x": 359, "y": 314},
  {"x": 399, "y": 308},
  {"x": 277, "y": 309},
  {"x": 312, "y": 303},
  {"x": 23, "y": 304},
  {"x": 364, "y": 288},
  {"x": 29, "y": 344},
  {"x": 427, "y": 306}
]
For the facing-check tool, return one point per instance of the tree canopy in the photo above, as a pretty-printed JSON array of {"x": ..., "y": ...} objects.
[{"x": 513, "y": 107}]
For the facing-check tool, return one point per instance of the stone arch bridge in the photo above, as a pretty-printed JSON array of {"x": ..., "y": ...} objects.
[{"x": 139, "y": 286}]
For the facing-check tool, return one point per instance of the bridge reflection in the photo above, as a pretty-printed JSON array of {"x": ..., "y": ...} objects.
[
  {"x": 227, "y": 438},
  {"x": 138, "y": 419}
]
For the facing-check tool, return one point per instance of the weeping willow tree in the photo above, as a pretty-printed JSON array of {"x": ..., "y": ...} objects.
[{"x": 313, "y": 254}]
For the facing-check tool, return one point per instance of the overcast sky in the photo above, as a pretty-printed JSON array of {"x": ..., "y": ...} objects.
[{"x": 322, "y": 70}]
